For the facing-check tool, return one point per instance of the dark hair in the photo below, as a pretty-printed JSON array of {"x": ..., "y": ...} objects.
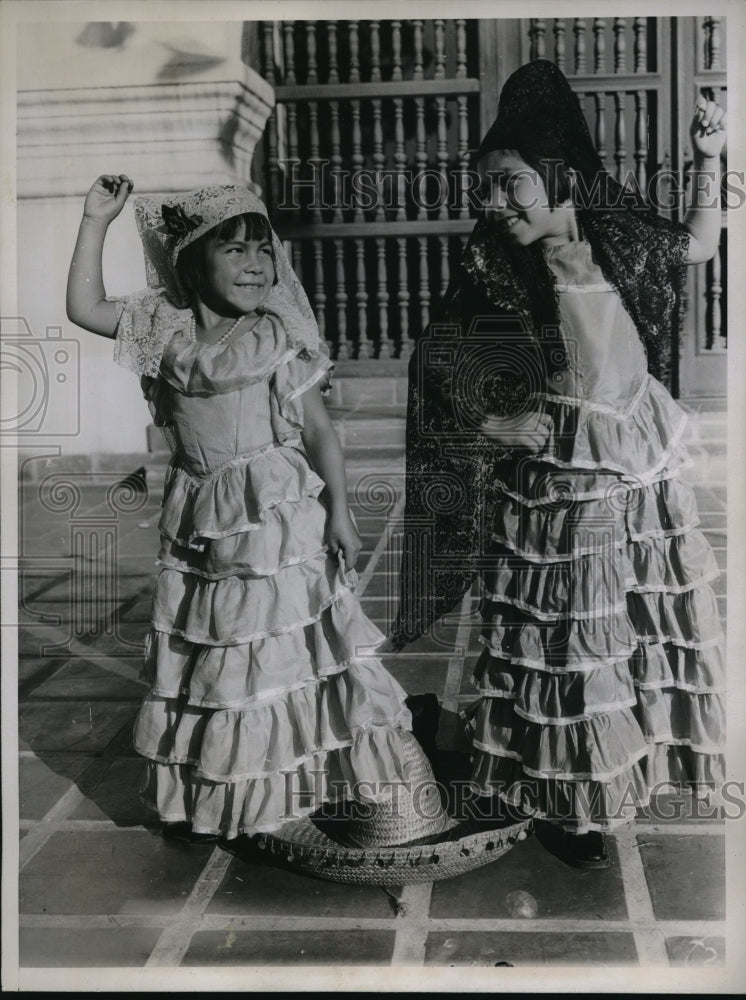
[
  {"x": 551, "y": 168},
  {"x": 190, "y": 264}
]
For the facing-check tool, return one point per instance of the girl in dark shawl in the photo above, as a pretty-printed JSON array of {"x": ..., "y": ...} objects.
[{"x": 543, "y": 457}]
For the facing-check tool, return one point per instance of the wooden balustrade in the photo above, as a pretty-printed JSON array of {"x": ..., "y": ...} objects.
[{"x": 391, "y": 106}]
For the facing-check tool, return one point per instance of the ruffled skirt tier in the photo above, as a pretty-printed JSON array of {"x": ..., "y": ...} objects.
[
  {"x": 264, "y": 700},
  {"x": 602, "y": 674}
]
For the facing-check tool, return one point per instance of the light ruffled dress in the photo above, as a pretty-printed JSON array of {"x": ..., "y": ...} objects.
[
  {"x": 602, "y": 674},
  {"x": 265, "y": 700}
]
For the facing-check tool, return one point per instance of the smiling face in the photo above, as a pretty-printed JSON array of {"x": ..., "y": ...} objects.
[
  {"x": 516, "y": 201},
  {"x": 239, "y": 272}
]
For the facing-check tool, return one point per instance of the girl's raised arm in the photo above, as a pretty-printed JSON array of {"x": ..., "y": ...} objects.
[
  {"x": 703, "y": 218},
  {"x": 86, "y": 295}
]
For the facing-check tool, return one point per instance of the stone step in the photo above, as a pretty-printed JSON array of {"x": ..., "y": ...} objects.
[
  {"x": 362, "y": 383},
  {"x": 384, "y": 426},
  {"x": 358, "y": 461},
  {"x": 370, "y": 433},
  {"x": 365, "y": 477}
]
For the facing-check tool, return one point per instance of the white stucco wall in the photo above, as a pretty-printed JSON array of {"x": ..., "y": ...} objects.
[
  {"x": 111, "y": 414},
  {"x": 172, "y": 105}
]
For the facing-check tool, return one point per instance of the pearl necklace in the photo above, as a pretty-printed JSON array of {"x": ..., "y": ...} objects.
[{"x": 193, "y": 330}]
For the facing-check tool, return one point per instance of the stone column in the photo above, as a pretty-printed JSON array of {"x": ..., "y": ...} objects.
[{"x": 173, "y": 105}]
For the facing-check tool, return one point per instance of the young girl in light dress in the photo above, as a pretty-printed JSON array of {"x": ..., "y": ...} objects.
[
  {"x": 601, "y": 677},
  {"x": 263, "y": 704}
]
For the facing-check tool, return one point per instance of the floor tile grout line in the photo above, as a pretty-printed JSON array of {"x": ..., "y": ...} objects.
[
  {"x": 454, "y": 673},
  {"x": 75, "y": 699},
  {"x": 380, "y": 548},
  {"x": 27, "y": 687},
  {"x": 173, "y": 943},
  {"x": 210, "y": 922},
  {"x": 227, "y": 921},
  {"x": 105, "y": 661},
  {"x": 412, "y": 926},
  {"x": 714, "y": 829},
  {"x": 91, "y": 826},
  {"x": 540, "y": 925},
  {"x": 411, "y": 939},
  {"x": 650, "y": 942},
  {"x": 463, "y": 634},
  {"x": 91, "y": 753},
  {"x": 111, "y": 826},
  {"x": 46, "y": 827}
]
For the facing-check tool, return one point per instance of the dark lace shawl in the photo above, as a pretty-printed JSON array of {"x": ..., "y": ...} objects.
[{"x": 494, "y": 343}]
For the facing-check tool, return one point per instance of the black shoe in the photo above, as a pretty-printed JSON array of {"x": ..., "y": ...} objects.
[
  {"x": 242, "y": 846},
  {"x": 425, "y": 710},
  {"x": 579, "y": 850},
  {"x": 585, "y": 850},
  {"x": 182, "y": 833}
]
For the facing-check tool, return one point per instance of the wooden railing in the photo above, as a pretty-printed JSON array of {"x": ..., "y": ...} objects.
[
  {"x": 399, "y": 105},
  {"x": 710, "y": 80},
  {"x": 388, "y": 105}
]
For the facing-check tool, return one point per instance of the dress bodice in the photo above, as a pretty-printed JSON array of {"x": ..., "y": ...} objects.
[
  {"x": 230, "y": 400},
  {"x": 607, "y": 361}
]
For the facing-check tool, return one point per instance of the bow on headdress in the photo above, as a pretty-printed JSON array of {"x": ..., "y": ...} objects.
[{"x": 177, "y": 223}]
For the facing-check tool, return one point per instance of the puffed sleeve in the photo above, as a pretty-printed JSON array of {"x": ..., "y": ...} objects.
[
  {"x": 305, "y": 366},
  {"x": 146, "y": 321}
]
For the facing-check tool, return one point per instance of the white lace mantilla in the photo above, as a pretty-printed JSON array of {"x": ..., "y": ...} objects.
[{"x": 147, "y": 320}]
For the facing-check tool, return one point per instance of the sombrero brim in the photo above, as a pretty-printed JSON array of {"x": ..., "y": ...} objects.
[{"x": 302, "y": 846}]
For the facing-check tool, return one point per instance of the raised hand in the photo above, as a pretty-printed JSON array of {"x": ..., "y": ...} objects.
[
  {"x": 107, "y": 196},
  {"x": 707, "y": 130}
]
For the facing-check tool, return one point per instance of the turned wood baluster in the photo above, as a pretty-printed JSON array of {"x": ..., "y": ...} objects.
[
  {"x": 313, "y": 117},
  {"x": 641, "y": 137},
  {"x": 579, "y": 32},
  {"x": 640, "y": 29},
  {"x": 713, "y": 43},
  {"x": 620, "y": 151},
  {"x": 340, "y": 289},
  {"x": 292, "y": 110},
  {"x": 273, "y": 172},
  {"x": 640, "y": 53},
  {"x": 620, "y": 45},
  {"x": 559, "y": 43},
  {"x": 463, "y": 111},
  {"x": 361, "y": 292},
  {"x": 714, "y": 293},
  {"x": 319, "y": 291},
  {"x": 421, "y": 164},
  {"x": 379, "y": 163},
  {"x": 400, "y": 162},
  {"x": 600, "y": 136},
  {"x": 442, "y": 149},
  {"x": 599, "y": 45},
  {"x": 537, "y": 35}
]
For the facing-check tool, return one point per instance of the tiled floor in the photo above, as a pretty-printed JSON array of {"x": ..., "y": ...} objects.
[{"x": 100, "y": 888}]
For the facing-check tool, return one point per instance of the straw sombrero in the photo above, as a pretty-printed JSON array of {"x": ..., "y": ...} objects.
[{"x": 413, "y": 840}]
